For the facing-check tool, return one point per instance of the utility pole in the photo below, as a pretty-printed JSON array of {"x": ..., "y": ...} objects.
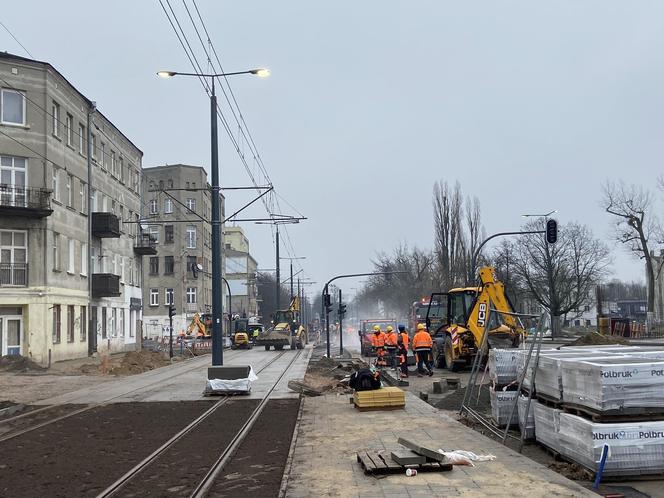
[
  {"x": 217, "y": 303},
  {"x": 278, "y": 300},
  {"x": 291, "y": 280},
  {"x": 341, "y": 326}
]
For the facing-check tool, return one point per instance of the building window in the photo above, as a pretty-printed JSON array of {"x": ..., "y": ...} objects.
[
  {"x": 169, "y": 265},
  {"x": 13, "y": 107},
  {"x": 132, "y": 323},
  {"x": 191, "y": 204},
  {"x": 81, "y": 194},
  {"x": 191, "y": 295},
  {"x": 55, "y": 114},
  {"x": 154, "y": 297},
  {"x": 70, "y": 323},
  {"x": 54, "y": 185},
  {"x": 114, "y": 166},
  {"x": 121, "y": 217},
  {"x": 154, "y": 265},
  {"x": 93, "y": 201},
  {"x": 56, "y": 251},
  {"x": 191, "y": 261},
  {"x": 191, "y": 237},
  {"x": 84, "y": 259},
  {"x": 69, "y": 130},
  {"x": 122, "y": 269},
  {"x": 103, "y": 156},
  {"x": 13, "y": 258},
  {"x": 71, "y": 266},
  {"x": 70, "y": 193},
  {"x": 83, "y": 325},
  {"x": 168, "y": 205},
  {"x": 137, "y": 179},
  {"x": 168, "y": 234},
  {"x": 81, "y": 139},
  {"x": 93, "y": 144},
  {"x": 122, "y": 322},
  {"x": 169, "y": 297},
  {"x": 114, "y": 322},
  {"x": 56, "y": 324},
  {"x": 153, "y": 230},
  {"x": 153, "y": 206}
]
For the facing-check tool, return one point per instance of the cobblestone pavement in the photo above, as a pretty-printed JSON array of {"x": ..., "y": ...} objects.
[{"x": 331, "y": 431}]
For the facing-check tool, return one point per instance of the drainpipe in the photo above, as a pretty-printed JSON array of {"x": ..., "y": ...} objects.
[{"x": 92, "y": 334}]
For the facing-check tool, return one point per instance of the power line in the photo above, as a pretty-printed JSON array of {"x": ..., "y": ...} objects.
[{"x": 16, "y": 39}]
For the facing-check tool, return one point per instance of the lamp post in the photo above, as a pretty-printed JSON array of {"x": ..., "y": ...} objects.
[{"x": 217, "y": 304}]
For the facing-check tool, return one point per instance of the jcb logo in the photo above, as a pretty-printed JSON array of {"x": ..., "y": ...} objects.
[{"x": 481, "y": 315}]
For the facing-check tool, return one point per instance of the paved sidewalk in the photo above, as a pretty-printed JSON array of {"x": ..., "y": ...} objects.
[{"x": 332, "y": 430}]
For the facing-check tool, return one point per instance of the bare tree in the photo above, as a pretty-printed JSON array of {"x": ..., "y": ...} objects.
[
  {"x": 561, "y": 276},
  {"x": 635, "y": 225},
  {"x": 473, "y": 237}
]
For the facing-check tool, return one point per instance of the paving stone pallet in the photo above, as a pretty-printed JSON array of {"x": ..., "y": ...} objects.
[
  {"x": 630, "y": 414},
  {"x": 380, "y": 462}
]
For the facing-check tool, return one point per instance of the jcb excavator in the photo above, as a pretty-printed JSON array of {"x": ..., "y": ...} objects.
[
  {"x": 200, "y": 327},
  {"x": 287, "y": 330},
  {"x": 459, "y": 317}
]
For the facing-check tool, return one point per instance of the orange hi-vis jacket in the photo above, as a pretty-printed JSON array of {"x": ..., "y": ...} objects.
[
  {"x": 378, "y": 340},
  {"x": 422, "y": 340},
  {"x": 405, "y": 339},
  {"x": 391, "y": 339}
]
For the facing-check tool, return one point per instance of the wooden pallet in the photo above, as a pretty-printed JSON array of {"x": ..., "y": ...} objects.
[
  {"x": 626, "y": 415},
  {"x": 378, "y": 408},
  {"x": 380, "y": 462},
  {"x": 548, "y": 401}
]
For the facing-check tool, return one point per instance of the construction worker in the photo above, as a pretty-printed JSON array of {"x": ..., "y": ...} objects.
[
  {"x": 378, "y": 343},
  {"x": 402, "y": 355},
  {"x": 422, "y": 344},
  {"x": 391, "y": 339},
  {"x": 254, "y": 335},
  {"x": 403, "y": 335}
]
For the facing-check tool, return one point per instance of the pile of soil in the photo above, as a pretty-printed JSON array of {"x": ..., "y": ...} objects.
[
  {"x": 595, "y": 339},
  {"x": 16, "y": 363},
  {"x": 325, "y": 375},
  {"x": 135, "y": 362}
]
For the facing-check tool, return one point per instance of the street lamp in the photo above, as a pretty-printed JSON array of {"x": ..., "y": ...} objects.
[
  {"x": 539, "y": 215},
  {"x": 217, "y": 305}
]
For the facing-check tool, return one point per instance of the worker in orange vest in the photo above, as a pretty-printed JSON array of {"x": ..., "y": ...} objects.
[
  {"x": 403, "y": 335},
  {"x": 402, "y": 353},
  {"x": 422, "y": 345},
  {"x": 378, "y": 342},
  {"x": 391, "y": 339}
]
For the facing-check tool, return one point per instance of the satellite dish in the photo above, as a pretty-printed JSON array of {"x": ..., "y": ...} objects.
[{"x": 200, "y": 267}]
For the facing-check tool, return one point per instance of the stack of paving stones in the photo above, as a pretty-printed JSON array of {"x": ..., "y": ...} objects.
[
  {"x": 504, "y": 386},
  {"x": 589, "y": 397}
]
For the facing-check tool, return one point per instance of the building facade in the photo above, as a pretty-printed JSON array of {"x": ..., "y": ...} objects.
[
  {"x": 177, "y": 212},
  {"x": 241, "y": 270},
  {"x": 64, "y": 292}
]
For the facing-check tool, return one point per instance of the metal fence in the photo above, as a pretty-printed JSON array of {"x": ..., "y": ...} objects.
[{"x": 24, "y": 197}]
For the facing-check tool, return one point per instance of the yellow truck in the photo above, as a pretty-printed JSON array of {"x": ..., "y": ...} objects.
[{"x": 285, "y": 330}]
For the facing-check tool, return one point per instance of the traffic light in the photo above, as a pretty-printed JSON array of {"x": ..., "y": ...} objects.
[
  {"x": 551, "y": 231},
  {"x": 342, "y": 309},
  {"x": 171, "y": 311},
  {"x": 194, "y": 270},
  {"x": 327, "y": 302}
]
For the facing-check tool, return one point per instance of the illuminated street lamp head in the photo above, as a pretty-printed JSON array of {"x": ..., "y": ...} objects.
[
  {"x": 261, "y": 73},
  {"x": 166, "y": 74}
]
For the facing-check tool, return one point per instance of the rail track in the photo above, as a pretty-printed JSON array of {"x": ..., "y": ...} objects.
[
  {"x": 203, "y": 486},
  {"x": 59, "y": 406}
]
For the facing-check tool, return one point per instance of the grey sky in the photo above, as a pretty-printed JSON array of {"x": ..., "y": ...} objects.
[{"x": 530, "y": 105}]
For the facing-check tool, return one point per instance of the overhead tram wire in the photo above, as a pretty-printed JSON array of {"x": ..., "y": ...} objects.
[{"x": 16, "y": 40}]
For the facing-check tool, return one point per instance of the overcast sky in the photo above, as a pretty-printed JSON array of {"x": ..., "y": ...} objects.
[{"x": 529, "y": 105}]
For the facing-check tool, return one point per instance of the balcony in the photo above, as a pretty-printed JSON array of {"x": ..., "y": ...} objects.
[
  {"x": 145, "y": 245},
  {"x": 24, "y": 201},
  {"x": 105, "y": 285},
  {"x": 13, "y": 274},
  {"x": 105, "y": 225}
]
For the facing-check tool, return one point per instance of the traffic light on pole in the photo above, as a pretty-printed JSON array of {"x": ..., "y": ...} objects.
[
  {"x": 327, "y": 302},
  {"x": 551, "y": 231},
  {"x": 171, "y": 311},
  {"x": 342, "y": 309}
]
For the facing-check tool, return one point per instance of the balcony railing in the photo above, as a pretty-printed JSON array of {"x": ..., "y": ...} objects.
[
  {"x": 105, "y": 225},
  {"x": 105, "y": 285},
  {"x": 145, "y": 244},
  {"x": 15, "y": 274},
  {"x": 17, "y": 200}
]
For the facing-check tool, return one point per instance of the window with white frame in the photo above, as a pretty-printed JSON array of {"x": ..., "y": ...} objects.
[
  {"x": 168, "y": 205},
  {"x": 169, "y": 297},
  {"x": 121, "y": 217},
  {"x": 137, "y": 179},
  {"x": 13, "y": 257},
  {"x": 13, "y": 173},
  {"x": 13, "y": 107},
  {"x": 153, "y": 206},
  {"x": 114, "y": 322},
  {"x": 84, "y": 259},
  {"x": 191, "y": 237},
  {"x": 70, "y": 193},
  {"x": 122, "y": 173},
  {"x": 102, "y": 153},
  {"x": 114, "y": 261},
  {"x": 154, "y": 297},
  {"x": 153, "y": 230},
  {"x": 81, "y": 194},
  {"x": 114, "y": 165},
  {"x": 191, "y": 295},
  {"x": 122, "y": 269},
  {"x": 93, "y": 144},
  {"x": 69, "y": 129},
  {"x": 55, "y": 184},
  {"x": 81, "y": 139},
  {"x": 191, "y": 204},
  {"x": 122, "y": 322},
  {"x": 71, "y": 256},
  {"x": 93, "y": 201},
  {"x": 55, "y": 251},
  {"x": 55, "y": 114}
]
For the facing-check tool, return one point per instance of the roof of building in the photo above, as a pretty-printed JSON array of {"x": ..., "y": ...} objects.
[
  {"x": 7, "y": 55},
  {"x": 147, "y": 169}
]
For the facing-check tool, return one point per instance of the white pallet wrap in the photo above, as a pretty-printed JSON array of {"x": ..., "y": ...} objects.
[
  {"x": 547, "y": 425},
  {"x": 503, "y": 365},
  {"x": 521, "y": 364},
  {"x": 501, "y": 407},
  {"x": 526, "y": 424},
  {"x": 636, "y": 448},
  {"x": 614, "y": 383}
]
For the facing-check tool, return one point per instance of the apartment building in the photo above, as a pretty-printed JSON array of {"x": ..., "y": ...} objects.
[
  {"x": 177, "y": 214},
  {"x": 63, "y": 295},
  {"x": 241, "y": 270}
]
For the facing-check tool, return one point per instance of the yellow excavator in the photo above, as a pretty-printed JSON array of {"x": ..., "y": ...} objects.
[
  {"x": 200, "y": 327},
  {"x": 458, "y": 318},
  {"x": 286, "y": 330}
]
